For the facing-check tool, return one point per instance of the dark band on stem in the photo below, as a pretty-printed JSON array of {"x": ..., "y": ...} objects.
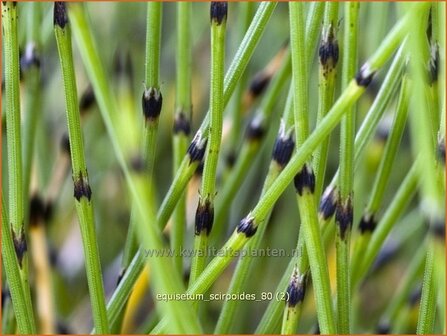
[
  {"x": 60, "y": 14},
  {"x": 65, "y": 144},
  {"x": 87, "y": 99},
  {"x": 204, "y": 217},
  {"x": 305, "y": 180},
  {"x": 151, "y": 101},
  {"x": 181, "y": 124},
  {"x": 247, "y": 226},
  {"x": 328, "y": 203},
  {"x": 296, "y": 290},
  {"x": 218, "y": 12},
  {"x": 231, "y": 158},
  {"x": 283, "y": 149},
  {"x": 259, "y": 83},
  {"x": 37, "y": 210},
  {"x": 82, "y": 187},
  {"x": 20, "y": 245},
  {"x": 30, "y": 58},
  {"x": 367, "y": 223},
  {"x": 196, "y": 150},
  {"x": 364, "y": 76},
  {"x": 328, "y": 51},
  {"x": 255, "y": 130},
  {"x": 344, "y": 216}
]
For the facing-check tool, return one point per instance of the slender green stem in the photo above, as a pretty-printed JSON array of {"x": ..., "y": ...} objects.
[
  {"x": 165, "y": 279},
  {"x": 344, "y": 210},
  {"x": 16, "y": 228},
  {"x": 235, "y": 71},
  {"x": 153, "y": 37},
  {"x": 367, "y": 223},
  {"x": 305, "y": 183},
  {"x": 398, "y": 301},
  {"x": 82, "y": 190},
  {"x": 427, "y": 307},
  {"x": 397, "y": 206},
  {"x": 328, "y": 57},
  {"x": 205, "y": 208},
  {"x": 33, "y": 103},
  {"x": 182, "y": 123},
  {"x": 23, "y": 315},
  {"x": 281, "y": 154}
]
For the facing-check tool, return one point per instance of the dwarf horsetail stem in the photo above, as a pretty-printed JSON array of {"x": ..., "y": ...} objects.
[
  {"x": 14, "y": 243},
  {"x": 82, "y": 191},
  {"x": 304, "y": 179},
  {"x": 205, "y": 209},
  {"x": 294, "y": 297}
]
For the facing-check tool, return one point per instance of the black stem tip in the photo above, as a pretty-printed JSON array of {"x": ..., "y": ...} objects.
[
  {"x": 60, "y": 14},
  {"x": 328, "y": 51},
  {"x": 259, "y": 83},
  {"x": 204, "y": 217},
  {"x": 255, "y": 130},
  {"x": 37, "y": 210},
  {"x": 218, "y": 11}
]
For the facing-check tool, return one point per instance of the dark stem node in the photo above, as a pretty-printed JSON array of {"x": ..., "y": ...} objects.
[
  {"x": 204, "y": 217},
  {"x": 37, "y": 210},
  {"x": 305, "y": 180},
  {"x": 65, "y": 144},
  {"x": 255, "y": 130},
  {"x": 181, "y": 124},
  {"x": 247, "y": 226},
  {"x": 259, "y": 83},
  {"x": 152, "y": 101},
  {"x": 328, "y": 203},
  {"x": 196, "y": 149},
  {"x": 328, "y": 51},
  {"x": 20, "y": 245},
  {"x": 60, "y": 14},
  {"x": 82, "y": 187},
  {"x": 367, "y": 223},
  {"x": 343, "y": 216},
  {"x": 87, "y": 99},
  {"x": 364, "y": 76},
  {"x": 296, "y": 290},
  {"x": 283, "y": 149}
]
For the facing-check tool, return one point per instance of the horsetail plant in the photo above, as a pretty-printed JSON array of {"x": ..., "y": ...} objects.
[
  {"x": 16, "y": 228},
  {"x": 81, "y": 184},
  {"x": 151, "y": 175}
]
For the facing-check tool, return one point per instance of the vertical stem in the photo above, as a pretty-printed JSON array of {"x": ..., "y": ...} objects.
[
  {"x": 205, "y": 208},
  {"x": 305, "y": 178},
  {"x": 14, "y": 148},
  {"x": 182, "y": 120},
  {"x": 344, "y": 211},
  {"x": 82, "y": 190}
]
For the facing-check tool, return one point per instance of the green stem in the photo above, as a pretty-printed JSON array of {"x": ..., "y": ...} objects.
[
  {"x": 427, "y": 306},
  {"x": 15, "y": 184},
  {"x": 205, "y": 208},
  {"x": 82, "y": 191},
  {"x": 23, "y": 313},
  {"x": 344, "y": 211},
  {"x": 328, "y": 57},
  {"x": 182, "y": 123}
]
